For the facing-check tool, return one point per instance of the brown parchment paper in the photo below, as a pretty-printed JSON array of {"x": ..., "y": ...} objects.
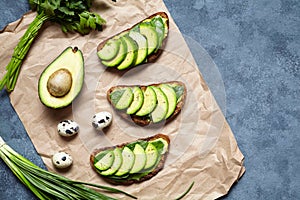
[{"x": 203, "y": 148}]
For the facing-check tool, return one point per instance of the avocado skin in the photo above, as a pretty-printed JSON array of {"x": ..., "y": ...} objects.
[{"x": 72, "y": 60}]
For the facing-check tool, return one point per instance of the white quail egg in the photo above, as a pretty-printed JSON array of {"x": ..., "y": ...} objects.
[
  {"x": 67, "y": 128},
  {"x": 101, "y": 120},
  {"x": 62, "y": 160}
]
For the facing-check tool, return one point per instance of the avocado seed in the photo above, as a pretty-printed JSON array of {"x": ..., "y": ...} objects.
[{"x": 59, "y": 83}]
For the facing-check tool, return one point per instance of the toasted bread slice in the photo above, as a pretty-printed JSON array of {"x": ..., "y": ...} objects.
[
  {"x": 130, "y": 178},
  {"x": 150, "y": 57},
  {"x": 146, "y": 120}
]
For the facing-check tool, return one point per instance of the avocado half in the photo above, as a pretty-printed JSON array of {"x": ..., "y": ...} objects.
[{"x": 62, "y": 80}]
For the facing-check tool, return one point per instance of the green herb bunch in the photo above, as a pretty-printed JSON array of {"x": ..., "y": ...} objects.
[{"x": 72, "y": 15}]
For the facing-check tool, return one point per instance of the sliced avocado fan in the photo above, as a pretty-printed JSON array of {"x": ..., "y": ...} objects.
[
  {"x": 133, "y": 47},
  {"x": 154, "y": 103}
]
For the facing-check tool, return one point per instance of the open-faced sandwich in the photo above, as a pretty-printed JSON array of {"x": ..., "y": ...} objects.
[
  {"x": 146, "y": 104},
  {"x": 141, "y": 43},
  {"x": 131, "y": 162}
]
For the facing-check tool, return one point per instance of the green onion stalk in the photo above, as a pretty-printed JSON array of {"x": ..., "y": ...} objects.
[
  {"x": 48, "y": 185},
  {"x": 72, "y": 15}
]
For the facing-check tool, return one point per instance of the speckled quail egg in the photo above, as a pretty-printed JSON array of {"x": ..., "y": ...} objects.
[
  {"x": 67, "y": 128},
  {"x": 102, "y": 120},
  {"x": 62, "y": 160}
]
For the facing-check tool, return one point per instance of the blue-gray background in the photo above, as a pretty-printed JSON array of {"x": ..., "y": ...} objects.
[{"x": 255, "y": 45}]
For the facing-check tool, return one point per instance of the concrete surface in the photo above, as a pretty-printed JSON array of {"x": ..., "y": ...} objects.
[{"x": 255, "y": 45}]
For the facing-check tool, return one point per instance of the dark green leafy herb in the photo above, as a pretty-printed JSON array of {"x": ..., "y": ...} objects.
[{"x": 72, "y": 15}]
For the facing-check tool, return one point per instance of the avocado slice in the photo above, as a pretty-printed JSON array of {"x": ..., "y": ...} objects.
[
  {"x": 150, "y": 33},
  {"x": 131, "y": 53},
  {"x": 142, "y": 46},
  {"x": 140, "y": 159},
  {"x": 151, "y": 156},
  {"x": 161, "y": 109},
  {"x": 104, "y": 160},
  {"x": 149, "y": 102},
  {"x": 122, "y": 52},
  {"x": 171, "y": 96},
  {"x": 116, "y": 95},
  {"x": 125, "y": 100},
  {"x": 158, "y": 23},
  {"x": 138, "y": 99},
  {"x": 62, "y": 80},
  {"x": 128, "y": 161},
  {"x": 116, "y": 163},
  {"x": 110, "y": 49}
]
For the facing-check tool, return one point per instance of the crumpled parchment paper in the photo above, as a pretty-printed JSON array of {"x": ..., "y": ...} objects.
[{"x": 203, "y": 148}]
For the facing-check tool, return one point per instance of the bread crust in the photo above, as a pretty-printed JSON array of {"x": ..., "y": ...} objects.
[
  {"x": 148, "y": 176},
  {"x": 152, "y": 57},
  {"x": 142, "y": 121}
]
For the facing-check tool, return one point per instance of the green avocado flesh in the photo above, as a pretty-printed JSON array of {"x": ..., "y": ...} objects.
[
  {"x": 179, "y": 90},
  {"x": 131, "y": 48},
  {"x": 110, "y": 49},
  {"x": 158, "y": 23},
  {"x": 131, "y": 54},
  {"x": 133, "y": 161},
  {"x": 104, "y": 160},
  {"x": 128, "y": 161},
  {"x": 140, "y": 159},
  {"x": 142, "y": 46},
  {"x": 117, "y": 162},
  {"x": 151, "y": 156},
  {"x": 122, "y": 52},
  {"x": 122, "y": 99},
  {"x": 138, "y": 99},
  {"x": 152, "y": 36},
  {"x": 161, "y": 109},
  {"x": 154, "y": 103},
  {"x": 149, "y": 102},
  {"x": 62, "y": 80},
  {"x": 172, "y": 100}
]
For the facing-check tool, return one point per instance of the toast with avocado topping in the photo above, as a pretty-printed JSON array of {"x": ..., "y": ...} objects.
[
  {"x": 148, "y": 104},
  {"x": 141, "y": 43},
  {"x": 131, "y": 162}
]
